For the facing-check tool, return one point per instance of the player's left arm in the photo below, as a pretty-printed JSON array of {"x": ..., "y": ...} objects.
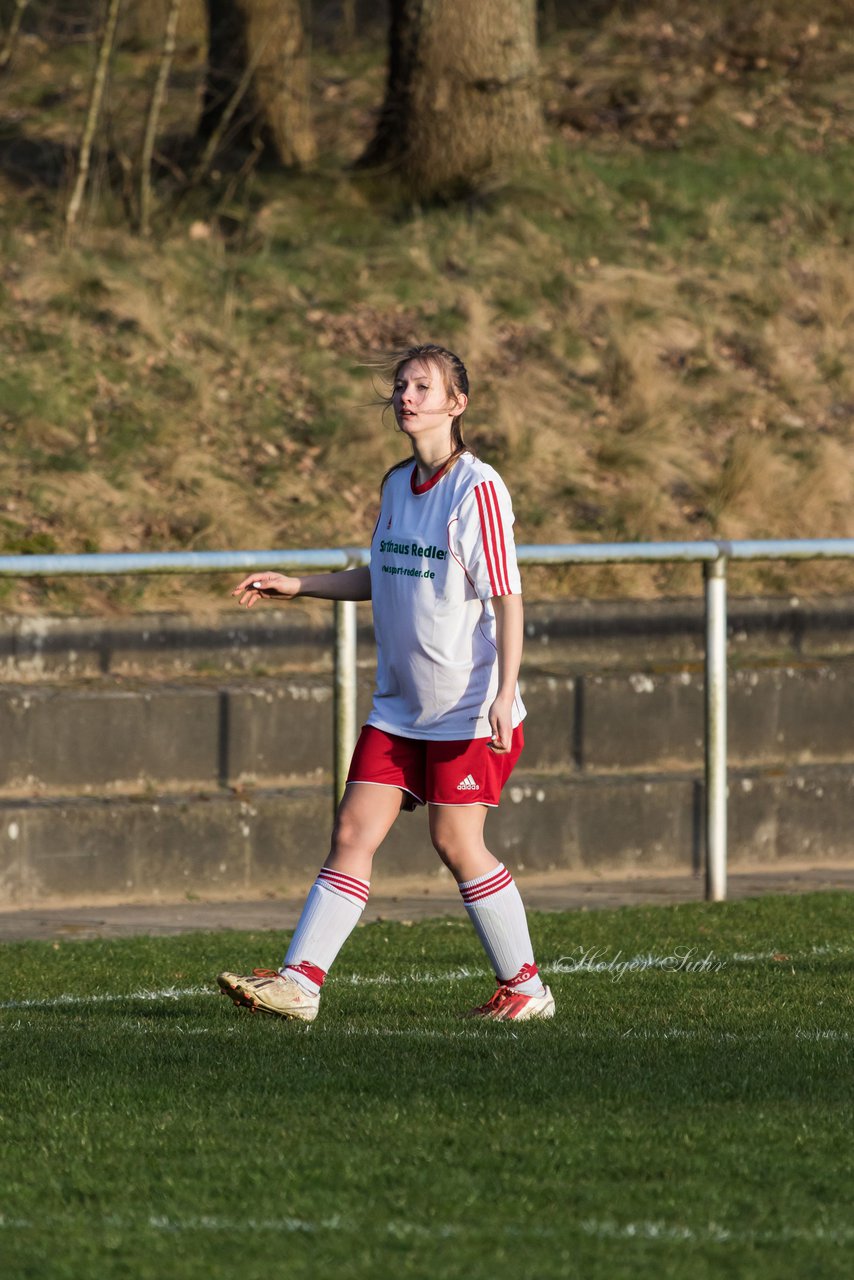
[{"x": 509, "y": 634}]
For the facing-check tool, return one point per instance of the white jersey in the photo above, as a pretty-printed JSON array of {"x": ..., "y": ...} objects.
[{"x": 439, "y": 553}]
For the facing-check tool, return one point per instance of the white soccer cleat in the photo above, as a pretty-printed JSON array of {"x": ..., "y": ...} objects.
[
  {"x": 507, "y": 1005},
  {"x": 267, "y": 991}
]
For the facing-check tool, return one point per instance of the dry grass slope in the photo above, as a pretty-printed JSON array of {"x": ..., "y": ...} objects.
[{"x": 657, "y": 319}]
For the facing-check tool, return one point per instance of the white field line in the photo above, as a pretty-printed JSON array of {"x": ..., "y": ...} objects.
[
  {"x": 644, "y": 1231},
  {"x": 592, "y": 960},
  {"x": 714, "y": 1233}
]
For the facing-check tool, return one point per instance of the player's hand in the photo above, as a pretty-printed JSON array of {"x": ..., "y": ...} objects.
[
  {"x": 501, "y": 724},
  {"x": 266, "y": 586}
]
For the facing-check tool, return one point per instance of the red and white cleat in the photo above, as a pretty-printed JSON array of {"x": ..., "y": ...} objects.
[
  {"x": 268, "y": 991},
  {"x": 507, "y": 1005}
]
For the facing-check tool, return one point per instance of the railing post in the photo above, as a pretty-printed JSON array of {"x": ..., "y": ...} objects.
[
  {"x": 714, "y": 573},
  {"x": 346, "y": 691}
]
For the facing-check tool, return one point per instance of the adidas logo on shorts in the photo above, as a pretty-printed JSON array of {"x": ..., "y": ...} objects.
[{"x": 468, "y": 784}]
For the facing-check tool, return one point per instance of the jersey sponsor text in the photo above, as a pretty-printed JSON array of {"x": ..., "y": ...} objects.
[
  {"x": 408, "y": 573},
  {"x": 388, "y": 547}
]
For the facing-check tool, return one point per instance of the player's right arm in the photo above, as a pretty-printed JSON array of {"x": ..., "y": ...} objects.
[{"x": 347, "y": 584}]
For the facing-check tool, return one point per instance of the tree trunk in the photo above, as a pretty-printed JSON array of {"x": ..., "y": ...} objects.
[
  {"x": 462, "y": 102},
  {"x": 266, "y": 39}
]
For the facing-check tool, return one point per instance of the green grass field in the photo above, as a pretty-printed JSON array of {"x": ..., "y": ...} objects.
[{"x": 688, "y": 1113}]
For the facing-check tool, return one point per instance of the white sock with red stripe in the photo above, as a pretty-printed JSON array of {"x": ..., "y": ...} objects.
[
  {"x": 497, "y": 912},
  {"x": 332, "y": 910}
]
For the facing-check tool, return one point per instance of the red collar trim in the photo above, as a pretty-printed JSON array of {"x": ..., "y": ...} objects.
[{"x": 428, "y": 484}]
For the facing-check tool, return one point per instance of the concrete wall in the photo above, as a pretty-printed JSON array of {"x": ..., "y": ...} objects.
[{"x": 160, "y": 755}]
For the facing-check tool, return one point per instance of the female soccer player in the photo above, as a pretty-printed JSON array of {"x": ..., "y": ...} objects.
[{"x": 445, "y": 728}]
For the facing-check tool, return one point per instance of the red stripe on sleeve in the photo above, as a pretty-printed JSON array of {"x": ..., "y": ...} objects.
[
  {"x": 485, "y": 534},
  {"x": 498, "y": 588},
  {"x": 501, "y": 543}
]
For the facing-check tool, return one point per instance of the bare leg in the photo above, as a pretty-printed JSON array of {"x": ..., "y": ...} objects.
[
  {"x": 490, "y": 895},
  {"x": 365, "y": 816},
  {"x": 332, "y": 909},
  {"x": 337, "y": 898},
  {"x": 457, "y": 835}
]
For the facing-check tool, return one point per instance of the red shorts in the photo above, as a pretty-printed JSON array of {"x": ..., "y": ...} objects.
[{"x": 460, "y": 772}]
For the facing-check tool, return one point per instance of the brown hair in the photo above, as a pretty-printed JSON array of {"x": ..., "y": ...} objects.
[{"x": 456, "y": 380}]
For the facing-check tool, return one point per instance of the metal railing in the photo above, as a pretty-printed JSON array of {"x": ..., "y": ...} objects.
[{"x": 713, "y": 555}]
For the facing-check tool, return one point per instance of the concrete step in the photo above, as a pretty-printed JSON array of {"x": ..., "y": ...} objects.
[
  {"x": 654, "y": 720},
  {"x": 268, "y": 840},
  {"x": 577, "y": 635},
  {"x": 164, "y": 755},
  {"x": 115, "y": 736}
]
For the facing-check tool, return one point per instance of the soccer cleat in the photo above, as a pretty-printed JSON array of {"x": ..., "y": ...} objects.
[
  {"x": 267, "y": 991},
  {"x": 507, "y": 1005}
]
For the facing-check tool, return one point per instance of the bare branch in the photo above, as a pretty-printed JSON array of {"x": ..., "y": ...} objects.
[
  {"x": 8, "y": 50},
  {"x": 96, "y": 98},
  {"x": 157, "y": 99}
]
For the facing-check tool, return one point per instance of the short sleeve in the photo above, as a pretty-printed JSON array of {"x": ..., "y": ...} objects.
[{"x": 481, "y": 538}]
